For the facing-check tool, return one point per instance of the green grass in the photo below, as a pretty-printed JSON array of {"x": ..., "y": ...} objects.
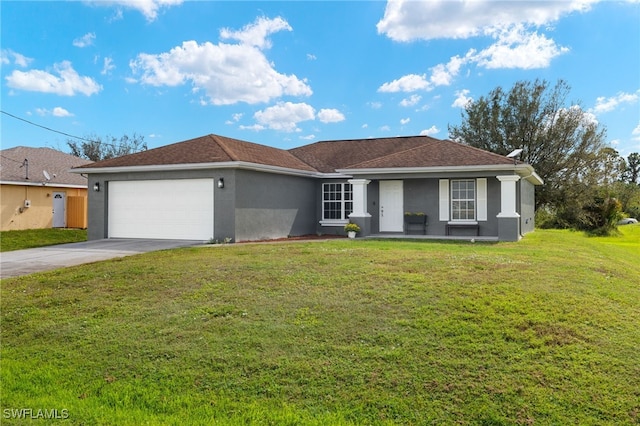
[
  {"x": 544, "y": 331},
  {"x": 30, "y": 238}
]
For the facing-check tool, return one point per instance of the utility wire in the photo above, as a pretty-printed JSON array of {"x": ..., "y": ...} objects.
[{"x": 46, "y": 128}]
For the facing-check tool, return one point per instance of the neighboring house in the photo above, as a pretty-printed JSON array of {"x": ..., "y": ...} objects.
[
  {"x": 218, "y": 187},
  {"x": 38, "y": 191}
]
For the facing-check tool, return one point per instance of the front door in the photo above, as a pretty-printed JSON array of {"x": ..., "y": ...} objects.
[
  {"x": 59, "y": 209},
  {"x": 391, "y": 206}
]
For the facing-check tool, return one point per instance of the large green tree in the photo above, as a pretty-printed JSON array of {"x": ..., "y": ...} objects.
[
  {"x": 632, "y": 168},
  {"x": 559, "y": 139},
  {"x": 95, "y": 148}
]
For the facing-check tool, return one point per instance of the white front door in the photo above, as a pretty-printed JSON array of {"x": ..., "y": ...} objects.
[
  {"x": 391, "y": 206},
  {"x": 59, "y": 210}
]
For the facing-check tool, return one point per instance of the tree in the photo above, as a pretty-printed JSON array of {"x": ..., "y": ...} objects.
[
  {"x": 95, "y": 149},
  {"x": 632, "y": 169},
  {"x": 560, "y": 140}
]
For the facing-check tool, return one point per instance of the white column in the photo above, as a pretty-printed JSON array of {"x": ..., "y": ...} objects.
[
  {"x": 359, "y": 187},
  {"x": 508, "y": 196}
]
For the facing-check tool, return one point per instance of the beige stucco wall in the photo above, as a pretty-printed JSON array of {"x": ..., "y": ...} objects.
[{"x": 14, "y": 215}]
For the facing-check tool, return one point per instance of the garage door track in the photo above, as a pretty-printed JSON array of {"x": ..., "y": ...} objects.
[{"x": 23, "y": 262}]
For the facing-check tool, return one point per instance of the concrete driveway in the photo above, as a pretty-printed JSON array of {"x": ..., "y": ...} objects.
[{"x": 23, "y": 262}]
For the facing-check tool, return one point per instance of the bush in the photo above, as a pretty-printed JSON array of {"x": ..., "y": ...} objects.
[{"x": 602, "y": 215}]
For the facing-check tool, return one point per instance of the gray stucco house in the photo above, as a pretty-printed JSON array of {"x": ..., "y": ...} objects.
[{"x": 219, "y": 187}]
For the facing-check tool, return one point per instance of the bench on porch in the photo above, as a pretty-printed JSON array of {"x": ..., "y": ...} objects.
[
  {"x": 463, "y": 225},
  {"x": 416, "y": 222}
]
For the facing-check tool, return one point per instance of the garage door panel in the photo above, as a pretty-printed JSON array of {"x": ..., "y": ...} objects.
[{"x": 165, "y": 209}]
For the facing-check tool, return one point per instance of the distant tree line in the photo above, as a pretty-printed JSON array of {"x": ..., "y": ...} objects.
[
  {"x": 588, "y": 185},
  {"x": 95, "y": 148}
]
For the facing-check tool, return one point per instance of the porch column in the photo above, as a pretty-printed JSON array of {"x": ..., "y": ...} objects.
[
  {"x": 359, "y": 214},
  {"x": 508, "y": 218}
]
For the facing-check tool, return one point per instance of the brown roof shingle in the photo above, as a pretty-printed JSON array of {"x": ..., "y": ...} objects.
[
  {"x": 207, "y": 149},
  {"x": 325, "y": 156}
]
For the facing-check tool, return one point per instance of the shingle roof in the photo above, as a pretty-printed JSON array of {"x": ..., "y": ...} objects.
[
  {"x": 394, "y": 152},
  {"x": 324, "y": 157},
  {"x": 55, "y": 163},
  {"x": 435, "y": 153},
  {"x": 208, "y": 149}
]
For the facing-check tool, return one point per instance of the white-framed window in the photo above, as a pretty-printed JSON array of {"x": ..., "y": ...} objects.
[
  {"x": 337, "y": 201},
  {"x": 463, "y": 199}
]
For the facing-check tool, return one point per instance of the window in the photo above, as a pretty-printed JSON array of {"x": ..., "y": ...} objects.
[
  {"x": 463, "y": 199},
  {"x": 337, "y": 201}
]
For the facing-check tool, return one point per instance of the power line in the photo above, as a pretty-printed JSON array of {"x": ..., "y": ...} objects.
[{"x": 46, "y": 128}]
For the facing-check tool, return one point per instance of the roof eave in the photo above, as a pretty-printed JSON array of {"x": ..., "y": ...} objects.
[
  {"x": 45, "y": 184},
  {"x": 198, "y": 166},
  {"x": 524, "y": 170}
]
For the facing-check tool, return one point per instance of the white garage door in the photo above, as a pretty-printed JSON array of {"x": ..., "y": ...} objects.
[{"x": 180, "y": 209}]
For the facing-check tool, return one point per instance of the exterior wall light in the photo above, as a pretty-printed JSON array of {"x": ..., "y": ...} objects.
[
  {"x": 96, "y": 186},
  {"x": 221, "y": 183}
]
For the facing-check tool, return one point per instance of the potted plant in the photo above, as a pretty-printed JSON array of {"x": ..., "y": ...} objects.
[{"x": 351, "y": 229}]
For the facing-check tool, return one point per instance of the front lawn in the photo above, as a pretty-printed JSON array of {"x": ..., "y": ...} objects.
[
  {"x": 30, "y": 238},
  {"x": 543, "y": 331}
]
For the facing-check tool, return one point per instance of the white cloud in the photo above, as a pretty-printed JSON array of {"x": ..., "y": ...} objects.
[
  {"x": 433, "y": 130},
  {"x": 406, "y": 20},
  {"x": 407, "y": 83},
  {"x": 510, "y": 23},
  {"x": 85, "y": 40},
  {"x": 330, "y": 116},
  {"x": 443, "y": 74},
  {"x": 67, "y": 82},
  {"x": 284, "y": 116},
  {"x": 256, "y": 34},
  {"x": 462, "y": 99},
  {"x": 8, "y": 55},
  {"x": 227, "y": 73},
  {"x": 604, "y": 104},
  {"x": 404, "y": 121},
  {"x": 636, "y": 133},
  {"x": 517, "y": 48},
  {"x": 385, "y": 128},
  {"x": 311, "y": 57},
  {"x": 149, "y": 8},
  {"x": 308, "y": 137},
  {"x": 375, "y": 105},
  {"x": 61, "y": 112},
  {"x": 410, "y": 101},
  {"x": 107, "y": 66},
  {"x": 56, "y": 112}
]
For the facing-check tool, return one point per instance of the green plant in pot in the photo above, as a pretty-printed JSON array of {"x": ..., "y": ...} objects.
[{"x": 352, "y": 229}]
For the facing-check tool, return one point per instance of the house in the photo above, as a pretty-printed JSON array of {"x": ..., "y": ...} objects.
[
  {"x": 219, "y": 187},
  {"x": 38, "y": 191}
]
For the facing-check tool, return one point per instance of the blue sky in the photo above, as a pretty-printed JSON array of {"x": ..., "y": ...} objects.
[{"x": 286, "y": 74}]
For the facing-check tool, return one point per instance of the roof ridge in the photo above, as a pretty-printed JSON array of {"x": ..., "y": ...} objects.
[
  {"x": 218, "y": 139},
  {"x": 392, "y": 154},
  {"x": 485, "y": 151}
]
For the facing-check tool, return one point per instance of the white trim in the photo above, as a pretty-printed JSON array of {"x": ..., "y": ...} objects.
[
  {"x": 481, "y": 199},
  {"x": 462, "y": 222},
  {"x": 202, "y": 166},
  {"x": 41, "y": 184},
  {"x": 524, "y": 170},
  {"x": 333, "y": 222},
  {"x": 444, "y": 199}
]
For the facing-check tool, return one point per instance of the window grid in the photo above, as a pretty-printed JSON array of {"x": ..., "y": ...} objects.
[
  {"x": 337, "y": 201},
  {"x": 463, "y": 199}
]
